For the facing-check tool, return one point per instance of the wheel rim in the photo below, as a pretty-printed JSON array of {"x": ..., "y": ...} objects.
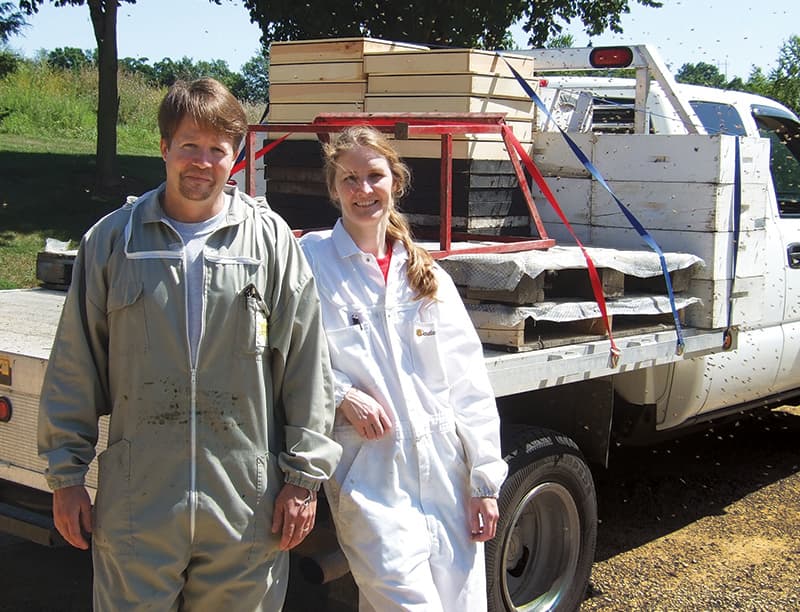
[{"x": 541, "y": 549}]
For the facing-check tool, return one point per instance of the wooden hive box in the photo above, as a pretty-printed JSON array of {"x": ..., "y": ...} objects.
[
  {"x": 335, "y": 75},
  {"x": 446, "y": 61},
  {"x": 491, "y": 84},
  {"x": 455, "y": 81},
  {"x": 334, "y": 49},
  {"x": 308, "y": 77}
]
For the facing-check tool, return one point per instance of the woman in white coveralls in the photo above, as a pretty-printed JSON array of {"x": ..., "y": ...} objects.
[{"x": 414, "y": 496}]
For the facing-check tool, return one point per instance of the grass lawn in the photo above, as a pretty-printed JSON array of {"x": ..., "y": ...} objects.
[{"x": 45, "y": 192}]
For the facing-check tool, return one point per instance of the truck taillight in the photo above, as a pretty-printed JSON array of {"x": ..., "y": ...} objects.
[
  {"x": 5, "y": 409},
  {"x": 611, "y": 57}
]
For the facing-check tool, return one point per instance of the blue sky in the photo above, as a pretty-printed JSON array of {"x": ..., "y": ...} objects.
[{"x": 731, "y": 34}]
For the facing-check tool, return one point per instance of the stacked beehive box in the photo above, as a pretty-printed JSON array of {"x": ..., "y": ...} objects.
[
  {"x": 370, "y": 75},
  {"x": 486, "y": 197},
  {"x": 309, "y": 77},
  {"x": 681, "y": 188}
]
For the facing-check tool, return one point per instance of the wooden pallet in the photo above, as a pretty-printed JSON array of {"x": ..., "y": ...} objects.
[
  {"x": 530, "y": 335},
  {"x": 563, "y": 287}
]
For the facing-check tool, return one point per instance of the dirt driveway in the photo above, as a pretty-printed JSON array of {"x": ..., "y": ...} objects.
[
  {"x": 709, "y": 521},
  {"x": 705, "y": 522}
]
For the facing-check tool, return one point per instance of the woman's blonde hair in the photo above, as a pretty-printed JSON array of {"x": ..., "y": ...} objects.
[{"x": 420, "y": 263}]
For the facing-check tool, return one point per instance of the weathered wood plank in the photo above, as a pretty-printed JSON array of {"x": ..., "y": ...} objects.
[
  {"x": 493, "y": 85},
  {"x": 418, "y": 103},
  {"x": 577, "y": 284},
  {"x": 317, "y": 91},
  {"x": 446, "y": 61},
  {"x": 320, "y": 50},
  {"x": 317, "y": 71}
]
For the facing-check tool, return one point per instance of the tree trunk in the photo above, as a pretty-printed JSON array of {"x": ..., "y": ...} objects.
[{"x": 104, "y": 21}]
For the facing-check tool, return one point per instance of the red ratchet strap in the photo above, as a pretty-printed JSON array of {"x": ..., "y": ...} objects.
[
  {"x": 597, "y": 289},
  {"x": 259, "y": 154}
]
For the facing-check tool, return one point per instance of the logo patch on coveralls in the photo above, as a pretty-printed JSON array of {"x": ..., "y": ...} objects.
[
  {"x": 261, "y": 330},
  {"x": 422, "y": 332}
]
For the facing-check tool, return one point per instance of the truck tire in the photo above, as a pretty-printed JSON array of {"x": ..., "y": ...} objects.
[{"x": 542, "y": 555}]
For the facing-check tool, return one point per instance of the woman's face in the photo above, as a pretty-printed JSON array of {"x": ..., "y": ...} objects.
[{"x": 364, "y": 188}]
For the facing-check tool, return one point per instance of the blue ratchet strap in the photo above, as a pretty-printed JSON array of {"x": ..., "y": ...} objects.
[
  {"x": 597, "y": 288},
  {"x": 643, "y": 233},
  {"x": 727, "y": 342}
]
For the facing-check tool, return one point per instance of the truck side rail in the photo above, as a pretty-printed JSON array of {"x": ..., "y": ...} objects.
[
  {"x": 512, "y": 373},
  {"x": 648, "y": 65}
]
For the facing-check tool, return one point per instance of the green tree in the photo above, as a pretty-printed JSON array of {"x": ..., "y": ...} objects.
[
  {"x": 103, "y": 15},
  {"x": 11, "y": 22},
  {"x": 560, "y": 41},
  {"x": 701, "y": 74},
  {"x": 255, "y": 79},
  {"x": 758, "y": 83},
  {"x": 217, "y": 69},
  {"x": 785, "y": 77},
  {"x": 138, "y": 65},
  {"x": 167, "y": 71},
  {"x": 69, "y": 58},
  {"x": 466, "y": 23},
  {"x": 545, "y": 19}
]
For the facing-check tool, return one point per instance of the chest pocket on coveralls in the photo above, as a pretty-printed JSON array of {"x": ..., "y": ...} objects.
[
  {"x": 350, "y": 351},
  {"x": 426, "y": 354},
  {"x": 126, "y": 318},
  {"x": 252, "y": 327}
]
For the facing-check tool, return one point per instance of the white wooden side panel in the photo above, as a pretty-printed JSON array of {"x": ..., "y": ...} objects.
[
  {"x": 553, "y": 157},
  {"x": 654, "y": 158},
  {"x": 714, "y": 248},
  {"x": 645, "y": 157},
  {"x": 692, "y": 207},
  {"x": 574, "y": 197},
  {"x": 748, "y": 295}
]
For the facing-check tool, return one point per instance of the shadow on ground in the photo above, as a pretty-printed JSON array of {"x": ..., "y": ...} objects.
[{"x": 649, "y": 492}]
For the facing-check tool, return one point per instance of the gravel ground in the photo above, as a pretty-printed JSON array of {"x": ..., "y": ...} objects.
[
  {"x": 709, "y": 521},
  {"x": 704, "y": 522}
]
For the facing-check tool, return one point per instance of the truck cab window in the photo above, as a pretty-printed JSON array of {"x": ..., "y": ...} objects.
[
  {"x": 718, "y": 118},
  {"x": 784, "y": 163}
]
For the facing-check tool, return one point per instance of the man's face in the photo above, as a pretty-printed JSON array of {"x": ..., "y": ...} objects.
[{"x": 198, "y": 162}]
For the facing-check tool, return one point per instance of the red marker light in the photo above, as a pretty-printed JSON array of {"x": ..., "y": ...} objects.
[
  {"x": 5, "y": 409},
  {"x": 611, "y": 57}
]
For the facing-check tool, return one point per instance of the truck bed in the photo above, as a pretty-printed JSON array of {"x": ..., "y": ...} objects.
[{"x": 28, "y": 321}]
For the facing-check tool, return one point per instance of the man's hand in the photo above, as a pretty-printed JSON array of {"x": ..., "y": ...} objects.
[
  {"x": 294, "y": 515},
  {"x": 483, "y": 516},
  {"x": 365, "y": 414},
  {"x": 72, "y": 515}
]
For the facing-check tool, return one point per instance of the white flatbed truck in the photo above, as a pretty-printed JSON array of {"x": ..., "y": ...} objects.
[{"x": 563, "y": 402}]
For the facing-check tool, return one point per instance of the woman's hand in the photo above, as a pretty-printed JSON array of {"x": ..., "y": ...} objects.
[
  {"x": 365, "y": 414},
  {"x": 483, "y": 516}
]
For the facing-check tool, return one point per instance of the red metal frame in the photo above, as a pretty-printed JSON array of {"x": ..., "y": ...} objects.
[{"x": 407, "y": 125}]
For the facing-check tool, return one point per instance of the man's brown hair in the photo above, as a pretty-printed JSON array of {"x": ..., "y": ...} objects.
[{"x": 209, "y": 103}]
